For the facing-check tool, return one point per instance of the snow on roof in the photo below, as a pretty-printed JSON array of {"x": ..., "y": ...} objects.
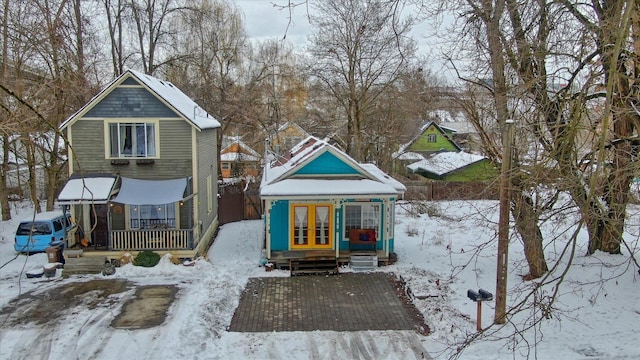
[
  {"x": 445, "y": 162},
  {"x": 246, "y": 152},
  {"x": 384, "y": 177},
  {"x": 372, "y": 181},
  {"x": 238, "y": 156},
  {"x": 179, "y": 100},
  {"x": 312, "y": 187},
  {"x": 97, "y": 189},
  {"x": 183, "y": 104},
  {"x": 407, "y": 156},
  {"x": 303, "y": 150},
  {"x": 401, "y": 154}
]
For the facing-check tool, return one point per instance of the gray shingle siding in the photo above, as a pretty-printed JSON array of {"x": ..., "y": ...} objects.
[
  {"x": 175, "y": 151},
  {"x": 207, "y": 165},
  {"x": 127, "y": 102}
]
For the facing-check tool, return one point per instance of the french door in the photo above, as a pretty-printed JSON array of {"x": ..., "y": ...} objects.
[{"x": 312, "y": 227}]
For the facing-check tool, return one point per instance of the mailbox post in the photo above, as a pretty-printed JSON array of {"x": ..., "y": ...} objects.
[{"x": 479, "y": 296}]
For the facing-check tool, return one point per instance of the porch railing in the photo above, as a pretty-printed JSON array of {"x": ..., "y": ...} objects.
[{"x": 164, "y": 239}]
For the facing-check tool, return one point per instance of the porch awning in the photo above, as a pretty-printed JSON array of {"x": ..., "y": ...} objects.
[
  {"x": 96, "y": 190},
  {"x": 151, "y": 192}
]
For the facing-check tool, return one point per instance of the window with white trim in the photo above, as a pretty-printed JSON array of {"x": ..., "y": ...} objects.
[
  {"x": 361, "y": 216},
  {"x": 137, "y": 140},
  {"x": 161, "y": 216}
]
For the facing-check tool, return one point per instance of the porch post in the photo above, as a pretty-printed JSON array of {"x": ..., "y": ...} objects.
[
  {"x": 336, "y": 226},
  {"x": 109, "y": 239},
  {"x": 267, "y": 222},
  {"x": 189, "y": 210}
]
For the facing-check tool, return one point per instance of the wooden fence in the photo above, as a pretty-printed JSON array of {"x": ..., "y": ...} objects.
[
  {"x": 237, "y": 204},
  {"x": 434, "y": 191}
]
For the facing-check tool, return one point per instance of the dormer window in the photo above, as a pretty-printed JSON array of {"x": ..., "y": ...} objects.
[{"x": 132, "y": 140}]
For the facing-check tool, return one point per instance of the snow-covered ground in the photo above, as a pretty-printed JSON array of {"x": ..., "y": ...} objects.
[{"x": 448, "y": 248}]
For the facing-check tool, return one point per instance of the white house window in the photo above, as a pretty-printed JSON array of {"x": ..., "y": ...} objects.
[
  {"x": 162, "y": 216},
  {"x": 361, "y": 216},
  {"x": 431, "y": 138},
  {"x": 132, "y": 140}
]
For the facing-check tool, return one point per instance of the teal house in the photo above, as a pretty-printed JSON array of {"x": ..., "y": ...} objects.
[{"x": 320, "y": 203}]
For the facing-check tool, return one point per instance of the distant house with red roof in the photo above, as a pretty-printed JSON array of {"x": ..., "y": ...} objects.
[{"x": 238, "y": 160}]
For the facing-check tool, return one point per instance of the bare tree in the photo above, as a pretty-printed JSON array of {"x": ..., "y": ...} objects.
[
  {"x": 485, "y": 23},
  {"x": 563, "y": 70},
  {"x": 115, "y": 11},
  {"x": 209, "y": 64},
  {"x": 610, "y": 25},
  {"x": 278, "y": 85},
  {"x": 153, "y": 21},
  {"x": 359, "y": 48},
  {"x": 46, "y": 47}
]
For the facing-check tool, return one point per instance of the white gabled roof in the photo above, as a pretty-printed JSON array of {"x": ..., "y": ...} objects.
[
  {"x": 445, "y": 162},
  {"x": 245, "y": 154},
  {"x": 370, "y": 181},
  {"x": 165, "y": 90}
]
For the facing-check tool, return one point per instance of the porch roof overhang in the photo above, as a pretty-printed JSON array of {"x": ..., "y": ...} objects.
[
  {"x": 151, "y": 192},
  {"x": 327, "y": 187},
  {"x": 89, "y": 189}
]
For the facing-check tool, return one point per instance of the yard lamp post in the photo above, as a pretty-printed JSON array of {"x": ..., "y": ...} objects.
[{"x": 503, "y": 226}]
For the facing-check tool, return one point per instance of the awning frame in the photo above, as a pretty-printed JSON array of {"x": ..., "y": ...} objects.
[
  {"x": 137, "y": 191},
  {"x": 86, "y": 187}
]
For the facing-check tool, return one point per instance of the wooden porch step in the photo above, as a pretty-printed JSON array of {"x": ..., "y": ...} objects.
[
  {"x": 315, "y": 265},
  {"x": 82, "y": 265}
]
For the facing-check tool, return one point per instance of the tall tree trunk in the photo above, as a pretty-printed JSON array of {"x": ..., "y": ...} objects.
[
  {"x": 526, "y": 218},
  {"x": 4, "y": 194},
  {"x": 615, "y": 21},
  {"x": 31, "y": 166},
  {"x": 523, "y": 211}
]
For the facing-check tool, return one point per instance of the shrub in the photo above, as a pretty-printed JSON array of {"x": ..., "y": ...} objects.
[
  {"x": 411, "y": 230},
  {"x": 147, "y": 259}
]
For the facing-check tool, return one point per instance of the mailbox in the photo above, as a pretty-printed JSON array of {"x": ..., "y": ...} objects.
[
  {"x": 473, "y": 295},
  {"x": 485, "y": 295}
]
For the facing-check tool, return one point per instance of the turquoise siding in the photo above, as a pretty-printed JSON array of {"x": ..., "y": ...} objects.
[
  {"x": 279, "y": 226},
  {"x": 326, "y": 164}
]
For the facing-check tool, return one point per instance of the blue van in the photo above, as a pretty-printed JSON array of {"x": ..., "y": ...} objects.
[{"x": 36, "y": 235}]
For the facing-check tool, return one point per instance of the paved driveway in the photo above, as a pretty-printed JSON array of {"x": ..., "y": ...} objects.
[{"x": 345, "y": 302}]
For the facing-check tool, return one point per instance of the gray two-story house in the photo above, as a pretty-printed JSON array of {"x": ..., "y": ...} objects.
[{"x": 143, "y": 170}]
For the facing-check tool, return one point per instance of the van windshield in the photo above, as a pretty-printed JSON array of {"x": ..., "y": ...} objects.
[{"x": 39, "y": 228}]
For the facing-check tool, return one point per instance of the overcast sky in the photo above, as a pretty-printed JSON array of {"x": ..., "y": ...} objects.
[{"x": 264, "y": 21}]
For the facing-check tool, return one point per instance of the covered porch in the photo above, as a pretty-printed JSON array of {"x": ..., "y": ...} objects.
[{"x": 131, "y": 215}]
